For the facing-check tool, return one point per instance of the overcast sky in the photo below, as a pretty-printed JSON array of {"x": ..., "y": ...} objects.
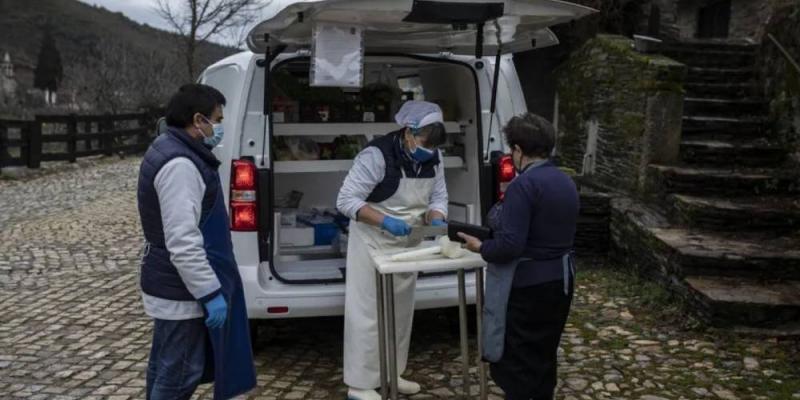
[{"x": 142, "y": 11}]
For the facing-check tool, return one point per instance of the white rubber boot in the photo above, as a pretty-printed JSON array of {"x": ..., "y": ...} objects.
[
  {"x": 361, "y": 394},
  {"x": 408, "y": 387}
]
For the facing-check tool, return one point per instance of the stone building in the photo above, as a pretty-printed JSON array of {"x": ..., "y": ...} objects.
[
  {"x": 743, "y": 20},
  {"x": 698, "y": 144}
]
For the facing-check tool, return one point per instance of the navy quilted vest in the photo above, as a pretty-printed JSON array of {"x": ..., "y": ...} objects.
[
  {"x": 159, "y": 277},
  {"x": 397, "y": 160}
]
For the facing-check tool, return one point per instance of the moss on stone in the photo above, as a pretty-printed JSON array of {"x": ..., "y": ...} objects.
[
  {"x": 632, "y": 125},
  {"x": 608, "y": 81}
]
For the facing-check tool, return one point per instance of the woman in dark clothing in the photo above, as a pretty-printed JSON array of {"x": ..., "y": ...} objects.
[{"x": 529, "y": 283}]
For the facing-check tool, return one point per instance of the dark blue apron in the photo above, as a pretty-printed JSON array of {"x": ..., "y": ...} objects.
[
  {"x": 233, "y": 369},
  {"x": 499, "y": 282}
]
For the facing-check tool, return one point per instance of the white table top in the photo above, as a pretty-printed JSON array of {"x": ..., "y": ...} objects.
[{"x": 434, "y": 263}]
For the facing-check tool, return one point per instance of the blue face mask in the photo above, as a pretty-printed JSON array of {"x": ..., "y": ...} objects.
[
  {"x": 422, "y": 154},
  {"x": 216, "y": 138}
]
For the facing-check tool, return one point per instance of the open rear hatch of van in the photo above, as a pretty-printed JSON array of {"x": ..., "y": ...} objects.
[
  {"x": 419, "y": 26},
  {"x": 394, "y": 28}
]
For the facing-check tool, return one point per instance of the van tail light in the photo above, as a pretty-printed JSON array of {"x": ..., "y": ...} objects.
[
  {"x": 505, "y": 174},
  {"x": 244, "y": 210}
]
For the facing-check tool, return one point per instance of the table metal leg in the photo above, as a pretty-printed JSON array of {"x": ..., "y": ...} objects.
[
  {"x": 484, "y": 389},
  {"x": 381, "y": 298},
  {"x": 390, "y": 326},
  {"x": 462, "y": 322}
]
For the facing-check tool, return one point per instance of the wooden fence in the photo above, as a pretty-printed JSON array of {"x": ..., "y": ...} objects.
[{"x": 69, "y": 137}]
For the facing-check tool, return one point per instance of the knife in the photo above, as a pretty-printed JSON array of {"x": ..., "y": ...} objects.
[{"x": 419, "y": 233}]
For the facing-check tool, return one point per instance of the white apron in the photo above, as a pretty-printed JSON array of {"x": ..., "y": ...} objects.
[{"x": 361, "y": 353}]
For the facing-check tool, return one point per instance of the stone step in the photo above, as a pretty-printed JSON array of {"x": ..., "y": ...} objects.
[
  {"x": 716, "y": 181},
  {"x": 698, "y": 57},
  {"x": 758, "y": 153},
  {"x": 729, "y": 302},
  {"x": 709, "y": 44},
  {"x": 735, "y": 135},
  {"x": 693, "y": 262},
  {"x": 729, "y": 108},
  {"x": 759, "y": 255},
  {"x": 741, "y": 126},
  {"x": 719, "y": 75},
  {"x": 736, "y": 214},
  {"x": 732, "y": 90}
]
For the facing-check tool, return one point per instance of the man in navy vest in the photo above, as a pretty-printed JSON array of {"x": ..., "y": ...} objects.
[{"x": 190, "y": 281}]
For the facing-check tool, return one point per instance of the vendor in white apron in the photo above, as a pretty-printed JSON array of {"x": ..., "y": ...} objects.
[{"x": 395, "y": 183}]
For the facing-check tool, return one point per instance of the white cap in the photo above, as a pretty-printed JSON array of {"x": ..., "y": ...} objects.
[{"x": 416, "y": 114}]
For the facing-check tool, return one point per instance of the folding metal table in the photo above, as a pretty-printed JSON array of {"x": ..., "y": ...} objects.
[{"x": 385, "y": 270}]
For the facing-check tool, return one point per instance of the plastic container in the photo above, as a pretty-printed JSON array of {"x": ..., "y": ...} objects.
[
  {"x": 288, "y": 216},
  {"x": 324, "y": 233},
  {"x": 297, "y": 236}
]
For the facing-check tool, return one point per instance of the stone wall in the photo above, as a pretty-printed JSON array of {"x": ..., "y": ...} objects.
[
  {"x": 749, "y": 17},
  {"x": 781, "y": 81},
  {"x": 618, "y": 111}
]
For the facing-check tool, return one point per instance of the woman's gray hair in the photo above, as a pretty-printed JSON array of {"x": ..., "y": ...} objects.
[{"x": 532, "y": 133}]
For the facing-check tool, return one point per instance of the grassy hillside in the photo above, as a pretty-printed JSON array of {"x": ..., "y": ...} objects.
[{"x": 97, "y": 45}]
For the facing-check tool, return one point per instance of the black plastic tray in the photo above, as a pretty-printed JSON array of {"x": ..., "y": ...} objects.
[{"x": 480, "y": 232}]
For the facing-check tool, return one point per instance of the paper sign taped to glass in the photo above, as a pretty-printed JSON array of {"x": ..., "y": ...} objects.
[{"x": 337, "y": 55}]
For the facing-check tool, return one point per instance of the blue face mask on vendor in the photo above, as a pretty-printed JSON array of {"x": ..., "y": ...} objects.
[
  {"x": 422, "y": 154},
  {"x": 419, "y": 153}
]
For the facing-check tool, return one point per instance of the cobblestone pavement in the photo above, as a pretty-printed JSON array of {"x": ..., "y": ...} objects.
[{"x": 71, "y": 326}]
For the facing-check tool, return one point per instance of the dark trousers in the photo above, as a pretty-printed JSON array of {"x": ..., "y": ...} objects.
[
  {"x": 177, "y": 359},
  {"x": 535, "y": 320}
]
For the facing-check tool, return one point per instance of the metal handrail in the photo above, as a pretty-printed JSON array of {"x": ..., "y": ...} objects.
[{"x": 785, "y": 52}]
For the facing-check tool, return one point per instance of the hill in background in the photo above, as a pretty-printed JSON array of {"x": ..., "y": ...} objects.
[{"x": 110, "y": 62}]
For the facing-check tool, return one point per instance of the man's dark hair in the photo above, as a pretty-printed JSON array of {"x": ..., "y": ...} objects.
[
  {"x": 435, "y": 134},
  {"x": 192, "y": 99},
  {"x": 532, "y": 133}
]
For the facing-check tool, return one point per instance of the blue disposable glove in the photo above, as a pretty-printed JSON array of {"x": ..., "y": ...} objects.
[
  {"x": 438, "y": 222},
  {"x": 395, "y": 226},
  {"x": 217, "y": 309}
]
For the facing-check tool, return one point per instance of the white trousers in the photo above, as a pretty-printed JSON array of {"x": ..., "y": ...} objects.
[{"x": 361, "y": 350}]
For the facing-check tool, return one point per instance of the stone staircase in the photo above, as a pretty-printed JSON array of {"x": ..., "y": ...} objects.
[{"x": 729, "y": 235}]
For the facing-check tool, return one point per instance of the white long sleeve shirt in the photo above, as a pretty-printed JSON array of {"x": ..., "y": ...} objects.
[
  {"x": 180, "y": 190},
  {"x": 369, "y": 169}
]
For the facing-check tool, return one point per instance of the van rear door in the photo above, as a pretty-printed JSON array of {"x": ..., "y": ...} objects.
[{"x": 419, "y": 26}]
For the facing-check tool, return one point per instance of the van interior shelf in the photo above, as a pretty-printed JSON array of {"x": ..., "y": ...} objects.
[
  {"x": 368, "y": 129},
  {"x": 308, "y": 250},
  {"x": 294, "y": 167}
]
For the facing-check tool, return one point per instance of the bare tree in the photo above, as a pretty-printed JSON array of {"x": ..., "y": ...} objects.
[
  {"x": 116, "y": 77},
  {"x": 198, "y": 20}
]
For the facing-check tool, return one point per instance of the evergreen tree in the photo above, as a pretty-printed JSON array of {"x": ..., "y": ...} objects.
[{"x": 49, "y": 71}]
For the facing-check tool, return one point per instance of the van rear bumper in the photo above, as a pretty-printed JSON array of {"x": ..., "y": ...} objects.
[{"x": 322, "y": 300}]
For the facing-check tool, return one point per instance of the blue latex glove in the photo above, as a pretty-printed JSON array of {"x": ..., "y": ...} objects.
[
  {"x": 217, "y": 309},
  {"x": 438, "y": 222},
  {"x": 395, "y": 226}
]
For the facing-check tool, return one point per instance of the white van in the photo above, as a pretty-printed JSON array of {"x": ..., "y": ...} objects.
[{"x": 303, "y": 140}]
